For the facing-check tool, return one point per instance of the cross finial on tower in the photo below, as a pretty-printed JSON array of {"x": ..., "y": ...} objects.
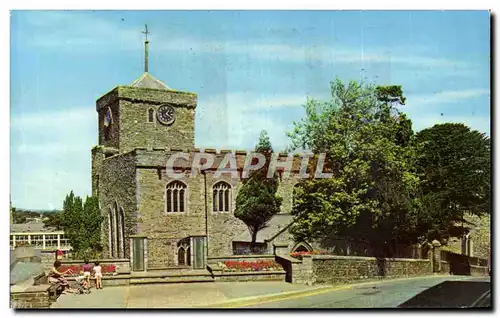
[
  {"x": 146, "y": 45},
  {"x": 146, "y": 32}
]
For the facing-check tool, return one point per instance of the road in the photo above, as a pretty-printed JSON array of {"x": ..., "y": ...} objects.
[{"x": 448, "y": 292}]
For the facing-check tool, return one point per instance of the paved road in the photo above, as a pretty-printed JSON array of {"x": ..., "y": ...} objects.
[{"x": 452, "y": 291}]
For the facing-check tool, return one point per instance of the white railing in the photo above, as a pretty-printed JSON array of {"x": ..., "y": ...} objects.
[{"x": 42, "y": 240}]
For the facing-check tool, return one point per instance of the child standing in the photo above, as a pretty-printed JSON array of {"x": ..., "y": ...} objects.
[
  {"x": 98, "y": 275},
  {"x": 87, "y": 269}
]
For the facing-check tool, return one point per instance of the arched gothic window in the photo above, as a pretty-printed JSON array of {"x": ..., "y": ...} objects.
[
  {"x": 116, "y": 230},
  {"x": 175, "y": 197},
  {"x": 121, "y": 226},
  {"x": 188, "y": 256},
  {"x": 184, "y": 252},
  {"x": 151, "y": 115},
  {"x": 302, "y": 247},
  {"x": 181, "y": 256},
  {"x": 111, "y": 233},
  {"x": 221, "y": 198}
]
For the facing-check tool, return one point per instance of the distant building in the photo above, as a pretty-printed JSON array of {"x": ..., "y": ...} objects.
[{"x": 35, "y": 234}]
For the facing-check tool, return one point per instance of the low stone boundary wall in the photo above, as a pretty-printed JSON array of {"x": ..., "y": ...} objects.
[
  {"x": 30, "y": 297},
  {"x": 445, "y": 267},
  {"x": 331, "y": 269},
  {"x": 337, "y": 269},
  {"x": 249, "y": 276},
  {"x": 297, "y": 271},
  {"x": 479, "y": 270}
]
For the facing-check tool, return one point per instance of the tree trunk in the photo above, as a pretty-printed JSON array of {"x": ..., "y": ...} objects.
[{"x": 253, "y": 242}]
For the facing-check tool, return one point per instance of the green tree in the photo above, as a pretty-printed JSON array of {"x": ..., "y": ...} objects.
[
  {"x": 81, "y": 222},
  {"x": 454, "y": 165},
  {"x": 371, "y": 193},
  {"x": 54, "y": 220},
  {"x": 257, "y": 201}
]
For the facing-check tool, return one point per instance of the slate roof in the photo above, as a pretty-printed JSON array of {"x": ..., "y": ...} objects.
[
  {"x": 278, "y": 223},
  {"x": 25, "y": 270},
  {"x": 147, "y": 80},
  {"x": 31, "y": 227}
]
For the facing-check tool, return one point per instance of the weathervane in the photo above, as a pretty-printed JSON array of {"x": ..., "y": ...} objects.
[{"x": 146, "y": 45}]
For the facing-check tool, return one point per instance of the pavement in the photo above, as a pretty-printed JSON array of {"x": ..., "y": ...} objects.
[
  {"x": 173, "y": 295},
  {"x": 379, "y": 294}
]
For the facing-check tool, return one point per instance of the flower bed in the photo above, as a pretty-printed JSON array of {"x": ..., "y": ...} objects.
[
  {"x": 106, "y": 269},
  {"x": 249, "y": 266},
  {"x": 300, "y": 254}
]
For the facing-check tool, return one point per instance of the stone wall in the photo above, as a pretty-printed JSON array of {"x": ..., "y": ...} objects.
[
  {"x": 250, "y": 276},
  {"x": 445, "y": 267},
  {"x": 164, "y": 230},
  {"x": 480, "y": 237},
  {"x": 297, "y": 271},
  {"x": 136, "y": 131},
  {"x": 331, "y": 269},
  {"x": 31, "y": 297},
  {"x": 334, "y": 269},
  {"x": 117, "y": 186},
  {"x": 479, "y": 270},
  {"x": 131, "y": 129}
]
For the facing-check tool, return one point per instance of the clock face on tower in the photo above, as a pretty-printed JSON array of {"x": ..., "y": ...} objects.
[{"x": 166, "y": 114}]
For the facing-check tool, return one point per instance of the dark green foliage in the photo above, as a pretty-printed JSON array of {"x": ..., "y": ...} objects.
[
  {"x": 388, "y": 187},
  {"x": 82, "y": 225},
  {"x": 257, "y": 201},
  {"x": 371, "y": 194},
  {"x": 390, "y": 94},
  {"x": 454, "y": 165},
  {"x": 22, "y": 216},
  {"x": 53, "y": 220}
]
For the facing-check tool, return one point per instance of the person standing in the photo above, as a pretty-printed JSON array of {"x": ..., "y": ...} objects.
[
  {"x": 87, "y": 269},
  {"x": 98, "y": 275}
]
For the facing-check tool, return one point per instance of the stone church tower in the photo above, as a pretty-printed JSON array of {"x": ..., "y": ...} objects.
[{"x": 157, "y": 221}]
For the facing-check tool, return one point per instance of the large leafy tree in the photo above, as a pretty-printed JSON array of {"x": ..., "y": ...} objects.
[
  {"x": 454, "y": 165},
  {"x": 257, "y": 201},
  {"x": 371, "y": 193},
  {"x": 81, "y": 222}
]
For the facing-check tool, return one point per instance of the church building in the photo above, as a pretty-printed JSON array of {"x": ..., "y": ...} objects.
[{"x": 157, "y": 221}]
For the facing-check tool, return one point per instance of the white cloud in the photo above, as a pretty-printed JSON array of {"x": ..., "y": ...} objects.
[
  {"x": 234, "y": 121},
  {"x": 86, "y": 31}
]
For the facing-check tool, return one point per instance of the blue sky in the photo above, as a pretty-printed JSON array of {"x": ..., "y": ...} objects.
[{"x": 252, "y": 70}]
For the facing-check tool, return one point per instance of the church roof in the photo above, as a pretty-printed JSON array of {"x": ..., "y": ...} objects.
[{"x": 147, "y": 80}]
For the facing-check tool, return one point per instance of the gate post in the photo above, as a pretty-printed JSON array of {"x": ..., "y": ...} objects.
[{"x": 436, "y": 256}]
